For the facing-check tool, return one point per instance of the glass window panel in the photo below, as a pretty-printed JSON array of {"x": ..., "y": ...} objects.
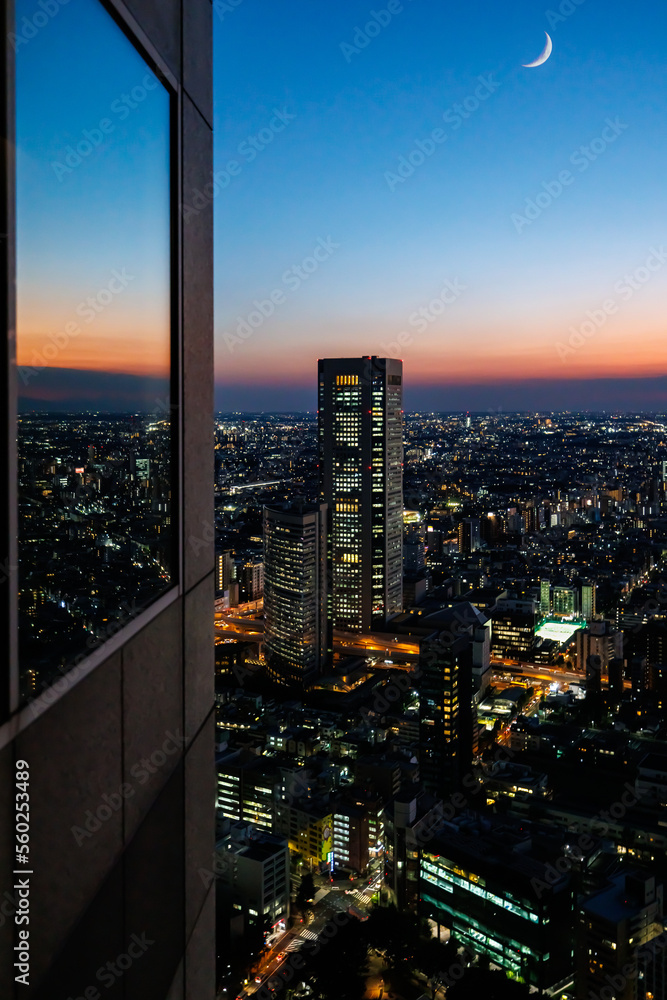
[{"x": 94, "y": 345}]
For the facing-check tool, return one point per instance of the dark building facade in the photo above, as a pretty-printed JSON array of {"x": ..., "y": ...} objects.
[
  {"x": 445, "y": 712},
  {"x": 297, "y": 636},
  {"x": 115, "y": 735},
  {"x": 361, "y": 481},
  {"x": 469, "y": 535},
  {"x": 615, "y": 930}
]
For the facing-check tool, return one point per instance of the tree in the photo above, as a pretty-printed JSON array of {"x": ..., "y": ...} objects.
[
  {"x": 336, "y": 967},
  {"x": 434, "y": 958},
  {"x": 306, "y": 891},
  {"x": 481, "y": 984},
  {"x": 398, "y": 934}
]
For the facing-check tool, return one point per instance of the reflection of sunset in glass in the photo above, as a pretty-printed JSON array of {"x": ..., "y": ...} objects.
[
  {"x": 118, "y": 340},
  {"x": 93, "y": 212}
]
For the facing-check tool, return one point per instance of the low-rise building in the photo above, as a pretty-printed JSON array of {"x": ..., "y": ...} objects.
[
  {"x": 497, "y": 888},
  {"x": 255, "y": 866},
  {"x": 308, "y": 827},
  {"x": 616, "y": 928}
]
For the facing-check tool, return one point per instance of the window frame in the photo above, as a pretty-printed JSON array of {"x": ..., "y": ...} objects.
[{"x": 14, "y": 716}]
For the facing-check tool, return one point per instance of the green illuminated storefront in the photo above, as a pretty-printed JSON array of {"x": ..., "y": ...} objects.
[{"x": 499, "y": 904}]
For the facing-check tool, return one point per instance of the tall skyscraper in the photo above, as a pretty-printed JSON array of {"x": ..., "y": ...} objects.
[
  {"x": 453, "y": 672},
  {"x": 445, "y": 693},
  {"x": 361, "y": 481},
  {"x": 224, "y": 570},
  {"x": 545, "y": 596},
  {"x": 295, "y": 591},
  {"x": 469, "y": 535},
  {"x": 587, "y": 599}
]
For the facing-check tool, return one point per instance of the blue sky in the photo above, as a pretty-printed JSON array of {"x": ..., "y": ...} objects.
[{"x": 324, "y": 174}]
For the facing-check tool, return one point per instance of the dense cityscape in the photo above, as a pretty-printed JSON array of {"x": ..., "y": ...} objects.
[
  {"x": 95, "y": 526},
  {"x": 333, "y": 577},
  {"x": 477, "y": 777}
]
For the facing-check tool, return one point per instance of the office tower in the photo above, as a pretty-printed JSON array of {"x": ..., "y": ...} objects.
[
  {"x": 600, "y": 640},
  {"x": 587, "y": 602},
  {"x": 469, "y": 535},
  {"x": 514, "y": 624},
  {"x": 247, "y": 788},
  {"x": 253, "y": 579},
  {"x": 615, "y": 670},
  {"x": 415, "y": 574},
  {"x": 308, "y": 825},
  {"x": 564, "y": 601},
  {"x": 486, "y": 880},
  {"x": 414, "y": 542},
  {"x": 361, "y": 480},
  {"x": 445, "y": 695},
  {"x": 652, "y": 640},
  {"x": 254, "y": 865},
  {"x": 410, "y": 819},
  {"x": 545, "y": 596},
  {"x": 358, "y": 829},
  {"x": 616, "y": 929},
  {"x": 594, "y": 686},
  {"x": 116, "y": 845},
  {"x": 295, "y": 592},
  {"x": 454, "y": 673},
  {"x": 224, "y": 571}
]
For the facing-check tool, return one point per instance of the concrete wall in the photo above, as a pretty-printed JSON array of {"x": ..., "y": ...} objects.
[{"x": 137, "y": 874}]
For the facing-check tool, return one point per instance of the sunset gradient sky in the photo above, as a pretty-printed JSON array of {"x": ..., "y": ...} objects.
[
  {"x": 313, "y": 119},
  {"x": 528, "y": 286}
]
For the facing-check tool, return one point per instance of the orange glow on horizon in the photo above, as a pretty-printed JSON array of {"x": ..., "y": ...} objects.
[
  {"x": 463, "y": 356},
  {"x": 99, "y": 346}
]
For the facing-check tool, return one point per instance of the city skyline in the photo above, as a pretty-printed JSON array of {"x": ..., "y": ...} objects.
[{"x": 335, "y": 559}]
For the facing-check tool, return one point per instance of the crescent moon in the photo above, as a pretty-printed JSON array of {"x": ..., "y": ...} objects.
[{"x": 548, "y": 49}]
